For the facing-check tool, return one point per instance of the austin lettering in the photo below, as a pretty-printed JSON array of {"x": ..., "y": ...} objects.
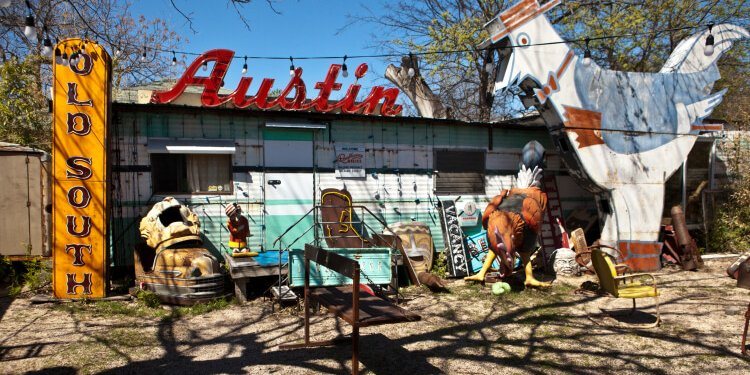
[{"x": 292, "y": 97}]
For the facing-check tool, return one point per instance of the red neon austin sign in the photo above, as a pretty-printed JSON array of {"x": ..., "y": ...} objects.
[{"x": 299, "y": 102}]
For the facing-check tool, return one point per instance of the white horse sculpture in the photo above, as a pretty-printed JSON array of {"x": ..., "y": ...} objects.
[{"x": 622, "y": 133}]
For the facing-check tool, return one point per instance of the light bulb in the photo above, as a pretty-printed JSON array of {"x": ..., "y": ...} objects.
[
  {"x": 291, "y": 70},
  {"x": 118, "y": 51},
  {"x": 244, "y": 69},
  {"x": 4, "y": 3},
  {"x": 174, "y": 61},
  {"x": 586, "y": 57},
  {"x": 47, "y": 48},
  {"x": 29, "y": 30},
  {"x": 143, "y": 57},
  {"x": 709, "y": 50},
  {"x": 411, "y": 72},
  {"x": 344, "y": 71},
  {"x": 65, "y": 58},
  {"x": 58, "y": 56},
  {"x": 205, "y": 66}
]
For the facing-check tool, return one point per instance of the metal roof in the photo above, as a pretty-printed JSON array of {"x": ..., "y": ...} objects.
[{"x": 13, "y": 147}]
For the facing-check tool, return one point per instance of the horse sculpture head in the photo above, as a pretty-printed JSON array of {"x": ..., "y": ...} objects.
[{"x": 522, "y": 34}]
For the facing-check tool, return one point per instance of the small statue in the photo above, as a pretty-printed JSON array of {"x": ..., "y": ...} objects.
[{"x": 239, "y": 230}]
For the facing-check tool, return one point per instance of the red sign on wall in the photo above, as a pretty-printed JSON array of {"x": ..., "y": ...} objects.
[{"x": 296, "y": 86}]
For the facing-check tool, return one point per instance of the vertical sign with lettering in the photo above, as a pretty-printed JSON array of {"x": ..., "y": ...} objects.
[
  {"x": 79, "y": 197},
  {"x": 456, "y": 253}
]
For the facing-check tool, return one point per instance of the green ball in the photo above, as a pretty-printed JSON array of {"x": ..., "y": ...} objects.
[
  {"x": 498, "y": 289},
  {"x": 506, "y": 287}
]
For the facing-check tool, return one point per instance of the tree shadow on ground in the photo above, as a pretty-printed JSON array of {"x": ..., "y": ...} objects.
[
  {"x": 551, "y": 336},
  {"x": 492, "y": 342}
]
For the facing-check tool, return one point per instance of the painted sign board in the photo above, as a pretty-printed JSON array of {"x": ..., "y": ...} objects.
[
  {"x": 375, "y": 268},
  {"x": 350, "y": 162},
  {"x": 81, "y": 101},
  {"x": 293, "y": 97},
  {"x": 469, "y": 216},
  {"x": 456, "y": 254},
  {"x": 479, "y": 247}
]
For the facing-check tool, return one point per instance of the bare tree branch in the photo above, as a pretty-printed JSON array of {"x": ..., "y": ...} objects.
[{"x": 189, "y": 20}]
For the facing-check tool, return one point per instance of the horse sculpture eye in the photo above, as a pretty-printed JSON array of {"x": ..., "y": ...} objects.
[{"x": 523, "y": 39}]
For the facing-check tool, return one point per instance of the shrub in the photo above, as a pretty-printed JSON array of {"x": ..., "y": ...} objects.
[
  {"x": 148, "y": 298},
  {"x": 731, "y": 226},
  {"x": 440, "y": 265}
]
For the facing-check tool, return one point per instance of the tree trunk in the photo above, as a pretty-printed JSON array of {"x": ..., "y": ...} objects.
[{"x": 427, "y": 103}]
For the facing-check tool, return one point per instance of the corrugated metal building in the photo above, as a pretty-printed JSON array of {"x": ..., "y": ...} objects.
[{"x": 275, "y": 164}]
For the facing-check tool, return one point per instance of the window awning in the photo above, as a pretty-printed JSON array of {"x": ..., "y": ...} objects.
[
  {"x": 295, "y": 125},
  {"x": 191, "y": 146}
]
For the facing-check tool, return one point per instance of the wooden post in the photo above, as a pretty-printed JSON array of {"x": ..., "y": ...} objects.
[
  {"x": 355, "y": 323},
  {"x": 307, "y": 296}
]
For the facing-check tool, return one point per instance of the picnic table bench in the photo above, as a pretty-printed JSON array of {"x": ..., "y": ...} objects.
[{"x": 346, "y": 302}]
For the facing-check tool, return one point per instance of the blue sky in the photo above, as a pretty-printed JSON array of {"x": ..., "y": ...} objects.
[{"x": 304, "y": 28}]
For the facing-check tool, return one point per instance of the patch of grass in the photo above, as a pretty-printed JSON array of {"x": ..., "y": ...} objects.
[
  {"x": 112, "y": 308},
  {"x": 148, "y": 298},
  {"x": 469, "y": 291},
  {"x": 449, "y": 314},
  {"x": 533, "y": 296},
  {"x": 147, "y": 306},
  {"x": 206, "y": 307},
  {"x": 127, "y": 337},
  {"x": 89, "y": 357}
]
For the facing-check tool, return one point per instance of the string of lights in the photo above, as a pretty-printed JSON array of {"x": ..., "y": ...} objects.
[
  {"x": 30, "y": 32},
  {"x": 437, "y": 52}
]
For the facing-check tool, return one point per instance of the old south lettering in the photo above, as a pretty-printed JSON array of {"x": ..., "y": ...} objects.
[{"x": 78, "y": 197}]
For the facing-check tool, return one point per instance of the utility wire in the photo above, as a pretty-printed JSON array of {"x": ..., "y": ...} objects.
[{"x": 386, "y": 55}]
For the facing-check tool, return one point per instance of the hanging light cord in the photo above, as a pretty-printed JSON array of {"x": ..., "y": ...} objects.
[{"x": 385, "y": 55}]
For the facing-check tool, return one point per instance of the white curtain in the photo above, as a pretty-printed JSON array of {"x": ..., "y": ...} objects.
[{"x": 208, "y": 173}]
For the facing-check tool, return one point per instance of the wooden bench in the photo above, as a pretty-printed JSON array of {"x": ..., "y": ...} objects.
[{"x": 346, "y": 302}]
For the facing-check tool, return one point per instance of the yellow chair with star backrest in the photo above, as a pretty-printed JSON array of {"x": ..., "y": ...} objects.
[{"x": 619, "y": 287}]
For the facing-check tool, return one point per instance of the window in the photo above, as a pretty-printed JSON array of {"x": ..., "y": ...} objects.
[
  {"x": 191, "y": 174},
  {"x": 459, "y": 172}
]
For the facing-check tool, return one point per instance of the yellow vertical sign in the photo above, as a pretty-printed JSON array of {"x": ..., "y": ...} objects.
[{"x": 79, "y": 161}]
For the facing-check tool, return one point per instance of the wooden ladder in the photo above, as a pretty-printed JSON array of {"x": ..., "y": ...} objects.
[{"x": 549, "y": 238}]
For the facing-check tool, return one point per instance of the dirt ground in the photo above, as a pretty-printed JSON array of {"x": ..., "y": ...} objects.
[{"x": 466, "y": 331}]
